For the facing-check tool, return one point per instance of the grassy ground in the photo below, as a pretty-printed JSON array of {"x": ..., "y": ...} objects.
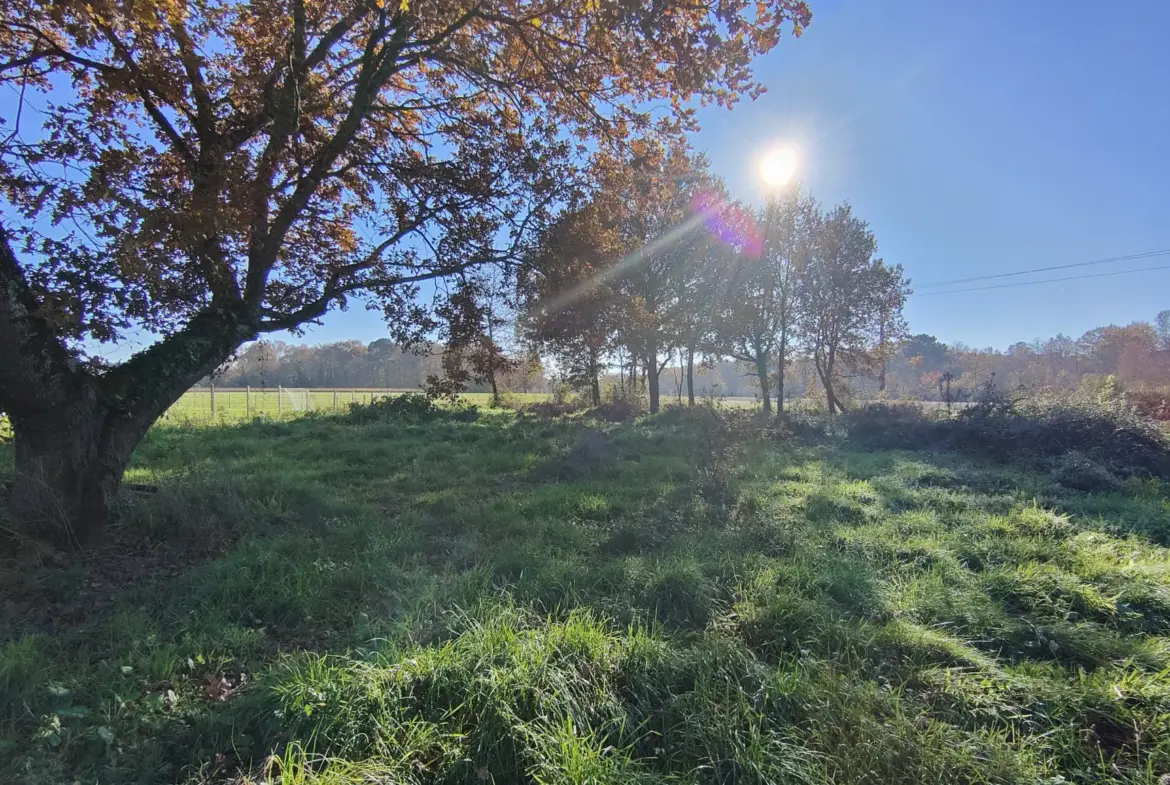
[{"x": 511, "y": 600}]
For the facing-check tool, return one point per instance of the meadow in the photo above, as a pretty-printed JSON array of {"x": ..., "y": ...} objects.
[
  {"x": 234, "y": 405},
  {"x": 506, "y": 598}
]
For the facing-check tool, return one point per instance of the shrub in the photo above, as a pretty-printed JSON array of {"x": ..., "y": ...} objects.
[
  {"x": 617, "y": 411},
  {"x": 1111, "y": 437},
  {"x": 713, "y": 439},
  {"x": 1151, "y": 403},
  {"x": 1075, "y": 470},
  {"x": 410, "y": 407},
  {"x": 549, "y": 409}
]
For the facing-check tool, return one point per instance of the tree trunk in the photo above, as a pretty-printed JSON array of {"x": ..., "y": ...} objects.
[
  {"x": 594, "y": 384},
  {"x": 75, "y": 430},
  {"x": 68, "y": 468},
  {"x": 690, "y": 376},
  {"x": 762, "y": 374},
  {"x": 651, "y": 369},
  {"x": 781, "y": 359},
  {"x": 825, "y": 372}
]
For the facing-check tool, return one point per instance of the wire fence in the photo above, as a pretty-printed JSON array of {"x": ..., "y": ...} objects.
[
  {"x": 244, "y": 403},
  {"x": 236, "y": 404}
]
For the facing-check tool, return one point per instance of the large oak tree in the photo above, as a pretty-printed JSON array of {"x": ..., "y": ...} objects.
[{"x": 205, "y": 172}]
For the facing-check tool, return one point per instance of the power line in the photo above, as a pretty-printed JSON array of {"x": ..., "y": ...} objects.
[
  {"x": 1047, "y": 280},
  {"x": 1110, "y": 260}
]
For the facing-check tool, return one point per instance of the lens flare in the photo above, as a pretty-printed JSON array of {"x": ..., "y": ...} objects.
[{"x": 730, "y": 223}]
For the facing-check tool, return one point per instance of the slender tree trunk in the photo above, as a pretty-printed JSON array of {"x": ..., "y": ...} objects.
[
  {"x": 633, "y": 388},
  {"x": 652, "y": 386},
  {"x": 825, "y": 372},
  {"x": 690, "y": 376},
  {"x": 594, "y": 384},
  {"x": 762, "y": 374},
  {"x": 781, "y": 359}
]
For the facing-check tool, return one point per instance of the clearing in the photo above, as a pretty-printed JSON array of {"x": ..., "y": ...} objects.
[{"x": 521, "y": 600}]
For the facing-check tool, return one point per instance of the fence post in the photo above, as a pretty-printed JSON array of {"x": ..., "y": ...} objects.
[
  {"x": 335, "y": 400},
  {"x": 279, "y": 399},
  {"x": 308, "y": 401},
  {"x": 248, "y": 402},
  {"x": 213, "y": 401}
]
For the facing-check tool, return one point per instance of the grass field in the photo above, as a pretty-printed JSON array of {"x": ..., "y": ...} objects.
[
  {"x": 238, "y": 405},
  {"x": 514, "y": 600},
  {"x": 235, "y": 405}
]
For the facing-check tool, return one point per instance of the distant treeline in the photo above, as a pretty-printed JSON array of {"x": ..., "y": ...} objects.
[
  {"x": 380, "y": 364},
  {"x": 1135, "y": 356}
]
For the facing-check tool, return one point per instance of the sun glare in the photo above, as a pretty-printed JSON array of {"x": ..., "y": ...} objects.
[{"x": 778, "y": 166}]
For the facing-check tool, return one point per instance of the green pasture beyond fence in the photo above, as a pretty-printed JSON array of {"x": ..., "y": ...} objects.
[
  {"x": 230, "y": 404},
  {"x": 243, "y": 403}
]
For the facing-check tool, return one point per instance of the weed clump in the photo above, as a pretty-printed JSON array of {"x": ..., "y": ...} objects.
[
  {"x": 549, "y": 409},
  {"x": 410, "y": 407},
  {"x": 617, "y": 411}
]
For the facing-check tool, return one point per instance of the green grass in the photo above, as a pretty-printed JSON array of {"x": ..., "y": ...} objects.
[{"x": 526, "y": 601}]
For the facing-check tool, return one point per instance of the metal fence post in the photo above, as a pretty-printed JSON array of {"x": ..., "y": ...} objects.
[
  {"x": 279, "y": 399},
  {"x": 248, "y": 402},
  {"x": 335, "y": 400},
  {"x": 308, "y": 401},
  {"x": 213, "y": 401}
]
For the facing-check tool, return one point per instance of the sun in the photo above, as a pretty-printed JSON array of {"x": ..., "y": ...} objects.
[{"x": 778, "y": 166}]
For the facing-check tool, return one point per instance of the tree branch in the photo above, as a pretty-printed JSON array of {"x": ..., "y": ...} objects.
[
  {"x": 145, "y": 93},
  {"x": 36, "y": 369}
]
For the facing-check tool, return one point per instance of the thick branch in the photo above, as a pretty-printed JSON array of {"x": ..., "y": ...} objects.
[
  {"x": 205, "y": 110},
  {"x": 148, "y": 381},
  {"x": 36, "y": 369}
]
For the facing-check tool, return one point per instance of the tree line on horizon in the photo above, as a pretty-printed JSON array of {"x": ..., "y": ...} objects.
[{"x": 1134, "y": 356}]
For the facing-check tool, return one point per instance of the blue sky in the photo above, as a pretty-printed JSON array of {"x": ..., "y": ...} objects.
[{"x": 976, "y": 138}]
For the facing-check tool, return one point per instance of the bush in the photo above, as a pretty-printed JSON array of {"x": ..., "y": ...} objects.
[
  {"x": 1076, "y": 471},
  {"x": 1111, "y": 437},
  {"x": 713, "y": 439},
  {"x": 618, "y": 411},
  {"x": 410, "y": 407},
  {"x": 1153, "y": 404},
  {"x": 549, "y": 409}
]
